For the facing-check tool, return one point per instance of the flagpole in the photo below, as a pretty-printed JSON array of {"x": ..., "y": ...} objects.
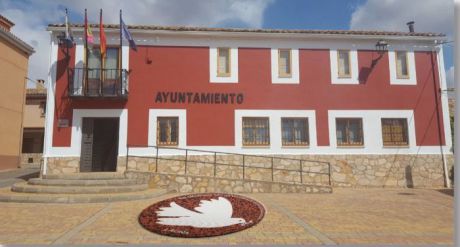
[
  {"x": 101, "y": 89},
  {"x": 85, "y": 67},
  {"x": 121, "y": 58}
]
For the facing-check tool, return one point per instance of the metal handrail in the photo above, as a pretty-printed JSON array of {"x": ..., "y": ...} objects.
[
  {"x": 89, "y": 82},
  {"x": 244, "y": 166}
]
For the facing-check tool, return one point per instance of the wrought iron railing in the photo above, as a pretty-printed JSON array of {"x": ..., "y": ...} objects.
[
  {"x": 87, "y": 82},
  {"x": 323, "y": 168}
]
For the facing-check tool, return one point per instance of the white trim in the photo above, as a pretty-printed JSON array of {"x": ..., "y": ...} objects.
[
  {"x": 233, "y": 78},
  {"x": 444, "y": 96},
  {"x": 394, "y": 80},
  {"x": 152, "y": 129},
  {"x": 275, "y": 128},
  {"x": 50, "y": 92},
  {"x": 75, "y": 142},
  {"x": 335, "y": 79},
  {"x": 276, "y": 79},
  {"x": 372, "y": 128}
]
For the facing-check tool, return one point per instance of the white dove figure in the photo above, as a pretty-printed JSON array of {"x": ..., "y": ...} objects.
[{"x": 213, "y": 213}]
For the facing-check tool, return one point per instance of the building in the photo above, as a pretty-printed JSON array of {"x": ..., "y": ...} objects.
[
  {"x": 34, "y": 126},
  {"x": 14, "y": 57},
  {"x": 366, "y": 102}
]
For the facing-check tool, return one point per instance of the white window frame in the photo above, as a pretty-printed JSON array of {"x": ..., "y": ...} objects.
[
  {"x": 214, "y": 77},
  {"x": 274, "y": 118},
  {"x": 354, "y": 72},
  {"x": 276, "y": 78},
  {"x": 394, "y": 80},
  {"x": 181, "y": 114},
  {"x": 372, "y": 130}
]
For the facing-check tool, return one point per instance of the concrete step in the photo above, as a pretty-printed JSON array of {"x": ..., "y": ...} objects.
[
  {"x": 9, "y": 196},
  {"x": 84, "y": 182},
  {"x": 87, "y": 176},
  {"x": 43, "y": 189}
]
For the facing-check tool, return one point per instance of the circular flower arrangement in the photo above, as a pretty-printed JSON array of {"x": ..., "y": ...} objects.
[{"x": 202, "y": 215}]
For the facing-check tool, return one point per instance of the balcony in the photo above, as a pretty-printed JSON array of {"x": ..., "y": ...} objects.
[{"x": 85, "y": 83}]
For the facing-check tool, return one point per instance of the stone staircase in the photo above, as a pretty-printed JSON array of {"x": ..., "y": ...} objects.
[{"x": 80, "y": 188}]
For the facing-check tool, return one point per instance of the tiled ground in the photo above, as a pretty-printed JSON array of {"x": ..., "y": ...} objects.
[{"x": 348, "y": 216}]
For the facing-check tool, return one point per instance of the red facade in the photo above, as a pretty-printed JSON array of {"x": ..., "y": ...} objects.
[{"x": 186, "y": 69}]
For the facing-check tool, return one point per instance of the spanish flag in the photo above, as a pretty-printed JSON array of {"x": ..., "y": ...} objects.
[
  {"x": 102, "y": 38},
  {"x": 88, "y": 32}
]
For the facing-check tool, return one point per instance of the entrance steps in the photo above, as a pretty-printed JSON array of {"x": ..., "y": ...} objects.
[{"x": 80, "y": 188}]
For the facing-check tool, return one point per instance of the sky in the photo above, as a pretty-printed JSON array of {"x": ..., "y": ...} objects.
[{"x": 32, "y": 17}]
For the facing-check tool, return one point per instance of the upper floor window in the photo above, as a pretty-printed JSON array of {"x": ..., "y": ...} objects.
[
  {"x": 223, "y": 62},
  {"x": 394, "y": 132},
  {"x": 167, "y": 131},
  {"x": 343, "y": 64},
  {"x": 402, "y": 66},
  {"x": 349, "y": 131},
  {"x": 256, "y": 131},
  {"x": 284, "y": 63},
  {"x": 294, "y": 131}
]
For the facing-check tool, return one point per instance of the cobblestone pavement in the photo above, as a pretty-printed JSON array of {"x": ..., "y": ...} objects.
[{"x": 347, "y": 216}]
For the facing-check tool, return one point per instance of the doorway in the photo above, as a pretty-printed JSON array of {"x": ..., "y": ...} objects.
[{"x": 99, "y": 145}]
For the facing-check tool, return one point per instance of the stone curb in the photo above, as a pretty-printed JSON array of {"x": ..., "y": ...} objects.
[
  {"x": 25, "y": 188},
  {"x": 86, "y": 176},
  {"x": 59, "y": 198},
  {"x": 84, "y": 182}
]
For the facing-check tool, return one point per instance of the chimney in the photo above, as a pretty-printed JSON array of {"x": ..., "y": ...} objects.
[
  {"x": 5, "y": 23},
  {"x": 40, "y": 83},
  {"x": 410, "y": 24}
]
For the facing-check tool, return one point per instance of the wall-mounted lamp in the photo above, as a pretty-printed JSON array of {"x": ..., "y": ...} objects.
[{"x": 381, "y": 45}]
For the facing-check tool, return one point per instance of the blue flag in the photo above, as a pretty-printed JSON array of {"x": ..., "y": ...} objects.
[{"x": 127, "y": 35}]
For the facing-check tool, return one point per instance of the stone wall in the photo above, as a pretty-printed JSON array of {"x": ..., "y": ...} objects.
[
  {"x": 65, "y": 165},
  {"x": 31, "y": 160},
  {"x": 346, "y": 170},
  {"x": 202, "y": 184}
]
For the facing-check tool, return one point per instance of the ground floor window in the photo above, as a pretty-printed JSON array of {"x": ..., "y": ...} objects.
[
  {"x": 294, "y": 131},
  {"x": 349, "y": 131},
  {"x": 394, "y": 132},
  {"x": 167, "y": 131},
  {"x": 256, "y": 131}
]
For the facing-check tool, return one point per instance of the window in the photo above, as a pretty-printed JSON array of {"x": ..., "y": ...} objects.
[
  {"x": 167, "y": 131},
  {"x": 349, "y": 131},
  {"x": 343, "y": 63},
  {"x": 256, "y": 131},
  {"x": 394, "y": 132},
  {"x": 111, "y": 63},
  {"x": 402, "y": 68},
  {"x": 284, "y": 63},
  {"x": 294, "y": 131},
  {"x": 223, "y": 62}
]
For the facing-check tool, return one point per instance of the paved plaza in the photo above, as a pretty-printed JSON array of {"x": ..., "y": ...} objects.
[{"x": 347, "y": 216}]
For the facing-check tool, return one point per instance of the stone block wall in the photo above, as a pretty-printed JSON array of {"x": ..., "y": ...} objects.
[
  {"x": 201, "y": 184},
  {"x": 65, "y": 165},
  {"x": 346, "y": 170}
]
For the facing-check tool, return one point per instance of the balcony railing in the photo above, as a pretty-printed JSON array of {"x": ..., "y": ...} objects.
[{"x": 98, "y": 83}]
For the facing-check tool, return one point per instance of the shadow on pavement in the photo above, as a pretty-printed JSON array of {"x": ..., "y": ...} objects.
[{"x": 449, "y": 192}]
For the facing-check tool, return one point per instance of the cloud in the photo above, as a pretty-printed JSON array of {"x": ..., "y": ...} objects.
[
  {"x": 392, "y": 15},
  {"x": 32, "y": 17}
]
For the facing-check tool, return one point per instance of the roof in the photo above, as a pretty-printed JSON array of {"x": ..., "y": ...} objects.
[
  {"x": 249, "y": 30},
  {"x": 11, "y": 38}
]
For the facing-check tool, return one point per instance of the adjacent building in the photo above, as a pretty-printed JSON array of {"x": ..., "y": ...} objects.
[
  {"x": 14, "y": 57},
  {"x": 34, "y": 126},
  {"x": 370, "y": 103}
]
